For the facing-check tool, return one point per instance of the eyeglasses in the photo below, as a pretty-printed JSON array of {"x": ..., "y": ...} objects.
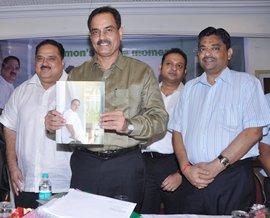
[
  {"x": 107, "y": 31},
  {"x": 213, "y": 49},
  {"x": 41, "y": 59}
]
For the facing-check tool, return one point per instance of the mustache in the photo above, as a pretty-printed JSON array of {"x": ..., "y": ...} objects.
[
  {"x": 44, "y": 67},
  {"x": 205, "y": 58},
  {"x": 99, "y": 42}
]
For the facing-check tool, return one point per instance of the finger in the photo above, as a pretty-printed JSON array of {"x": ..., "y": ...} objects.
[
  {"x": 206, "y": 177},
  {"x": 203, "y": 171},
  {"x": 167, "y": 188},
  {"x": 203, "y": 183},
  {"x": 15, "y": 188},
  {"x": 54, "y": 124},
  {"x": 107, "y": 114},
  {"x": 163, "y": 184},
  {"x": 55, "y": 113}
]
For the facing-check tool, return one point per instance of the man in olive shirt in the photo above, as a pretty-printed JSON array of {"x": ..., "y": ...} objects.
[{"x": 134, "y": 113}]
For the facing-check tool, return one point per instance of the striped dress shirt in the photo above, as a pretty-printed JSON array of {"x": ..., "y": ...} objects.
[{"x": 210, "y": 117}]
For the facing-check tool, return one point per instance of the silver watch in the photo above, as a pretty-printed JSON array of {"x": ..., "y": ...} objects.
[
  {"x": 130, "y": 128},
  {"x": 224, "y": 161}
]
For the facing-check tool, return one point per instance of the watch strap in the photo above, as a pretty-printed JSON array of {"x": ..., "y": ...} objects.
[{"x": 224, "y": 160}]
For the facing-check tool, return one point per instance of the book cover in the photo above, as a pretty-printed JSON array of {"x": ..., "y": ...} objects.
[{"x": 81, "y": 103}]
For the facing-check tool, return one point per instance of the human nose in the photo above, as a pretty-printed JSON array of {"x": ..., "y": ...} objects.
[
  {"x": 208, "y": 51},
  {"x": 174, "y": 67},
  {"x": 102, "y": 34},
  {"x": 44, "y": 61}
]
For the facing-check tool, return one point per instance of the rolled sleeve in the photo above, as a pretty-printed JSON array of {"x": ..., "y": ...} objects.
[
  {"x": 9, "y": 115},
  {"x": 175, "y": 121},
  {"x": 256, "y": 110}
]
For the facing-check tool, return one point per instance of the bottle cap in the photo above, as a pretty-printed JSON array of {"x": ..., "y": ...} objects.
[{"x": 45, "y": 175}]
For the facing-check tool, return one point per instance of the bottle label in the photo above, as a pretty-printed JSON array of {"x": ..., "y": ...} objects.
[{"x": 44, "y": 195}]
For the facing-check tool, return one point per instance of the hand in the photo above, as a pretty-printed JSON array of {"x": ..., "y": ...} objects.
[
  {"x": 198, "y": 176},
  {"x": 54, "y": 120},
  {"x": 214, "y": 168},
  {"x": 16, "y": 179},
  {"x": 172, "y": 182},
  {"x": 114, "y": 120}
]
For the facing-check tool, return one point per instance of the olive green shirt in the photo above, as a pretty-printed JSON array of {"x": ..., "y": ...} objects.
[{"x": 130, "y": 86}]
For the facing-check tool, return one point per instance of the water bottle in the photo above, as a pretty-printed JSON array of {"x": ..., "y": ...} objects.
[{"x": 45, "y": 188}]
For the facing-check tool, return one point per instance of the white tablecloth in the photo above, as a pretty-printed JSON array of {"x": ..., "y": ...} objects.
[{"x": 183, "y": 216}]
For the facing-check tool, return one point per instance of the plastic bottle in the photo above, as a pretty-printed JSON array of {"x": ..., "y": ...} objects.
[{"x": 45, "y": 188}]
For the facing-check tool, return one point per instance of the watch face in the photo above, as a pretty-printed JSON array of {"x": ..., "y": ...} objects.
[
  {"x": 223, "y": 160},
  {"x": 130, "y": 127}
]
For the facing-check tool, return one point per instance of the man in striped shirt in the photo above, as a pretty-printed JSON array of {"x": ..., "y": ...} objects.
[{"x": 217, "y": 123}]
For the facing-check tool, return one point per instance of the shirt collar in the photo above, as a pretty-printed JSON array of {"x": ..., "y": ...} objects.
[
  {"x": 118, "y": 63},
  {"x": 224, "y": 76},
  {"x": 6, "y": 82},
  {"x": 35, "y": 79},
  {"x": 179, "y": 88}
]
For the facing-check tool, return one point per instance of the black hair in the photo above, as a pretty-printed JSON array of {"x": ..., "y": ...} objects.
[
  {"x": 73, "y": 100},
  {"x": 8, "y": 58},
  {"x": 173, "y": 51},
  {"x": 105, "y": 9},
  {"x": 54, "y": 43},
  {"x": 220, "y": 32}
]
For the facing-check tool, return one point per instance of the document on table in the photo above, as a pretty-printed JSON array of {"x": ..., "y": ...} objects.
[{"x": 81, "y": 204}]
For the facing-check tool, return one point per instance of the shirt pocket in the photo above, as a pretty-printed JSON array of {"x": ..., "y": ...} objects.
[
  {"x": 229, "y": 118},
  {"x": 118, "y": 99}
]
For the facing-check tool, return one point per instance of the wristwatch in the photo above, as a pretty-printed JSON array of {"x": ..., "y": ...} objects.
[
  {"x": 223, "y": 160},
  {"x": 130, "y": 127}
]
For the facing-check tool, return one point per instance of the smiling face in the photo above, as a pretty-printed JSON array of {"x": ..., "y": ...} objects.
[
  {"x": 173, "y": 68},
  {"x": 10, "y": 70},
  {"x": 75, "y": 104},
  {"x": 49, "y": 65},
  {"x": 213, "y": 54},
  {"x": 105, "y": 36}
]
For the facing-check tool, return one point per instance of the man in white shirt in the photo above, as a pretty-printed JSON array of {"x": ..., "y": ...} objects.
[
  {"x": 29, "y": 151},
  {"x": 9, "y": 72},
  {"x": 72, "y": 132},
  {"x": 217, "y": 123},
  {"x": 162, "y": 170}
]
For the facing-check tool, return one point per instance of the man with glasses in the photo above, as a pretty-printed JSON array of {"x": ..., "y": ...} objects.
[
  {"x": 9, "y": 72},
  {"x": 134, "y": 114},
  {"x": 217, "y": 123}
]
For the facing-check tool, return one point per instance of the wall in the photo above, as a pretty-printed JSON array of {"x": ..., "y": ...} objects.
[
  {"x": 241, "y": 18},
  {"x": 257, "y": 51}
]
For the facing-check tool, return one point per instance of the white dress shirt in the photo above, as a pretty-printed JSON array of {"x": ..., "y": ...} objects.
[
  {"x": 209, "y": 117},
  {"x": 36, "y": 153},
  {"x": 6, "y": 89},
  {"x": 164, "y": 145}
]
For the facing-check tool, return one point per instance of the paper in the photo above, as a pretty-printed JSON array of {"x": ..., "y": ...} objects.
[
  {"x": 81, "y": 103},
  {"x": 84, "y": 205}
]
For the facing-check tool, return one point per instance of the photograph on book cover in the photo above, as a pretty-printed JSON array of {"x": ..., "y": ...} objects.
[{"x": 81, "y": 103}]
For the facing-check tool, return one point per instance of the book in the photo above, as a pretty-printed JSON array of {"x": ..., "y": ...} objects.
[{"x": 81, "y": 103}]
